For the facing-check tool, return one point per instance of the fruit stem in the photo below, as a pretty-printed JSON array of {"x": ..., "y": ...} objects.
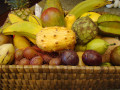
[{"x": 112, "y": 44}]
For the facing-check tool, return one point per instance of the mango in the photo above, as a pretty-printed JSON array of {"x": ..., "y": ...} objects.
[{"x": 52, "y": 17}]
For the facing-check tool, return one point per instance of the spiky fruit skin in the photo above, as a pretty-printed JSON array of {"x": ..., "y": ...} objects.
[
  {"x": 55, "y": 38},
  {"x": 85, "y": 30},
  {"x": 23, "y": 13}
]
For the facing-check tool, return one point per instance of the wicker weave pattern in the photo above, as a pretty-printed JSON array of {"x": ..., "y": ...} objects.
[{"x": 54, "y": 77}]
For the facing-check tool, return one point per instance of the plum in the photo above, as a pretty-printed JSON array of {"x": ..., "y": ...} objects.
[
  {"x": 46, "y": 58},
  {"x": 29, "y": 53},
  {"x": 92, "y": 58},
  {"x": 55, "y": 61},
  {"x": 19, "y": 54},
  {"x": 69, "y": 57},
  {"x": 37, "y": 60},
  {"x": 24, "y": 61}
]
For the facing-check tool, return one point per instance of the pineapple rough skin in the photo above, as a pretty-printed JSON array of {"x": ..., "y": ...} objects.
[{"x": 55, "y": 39}]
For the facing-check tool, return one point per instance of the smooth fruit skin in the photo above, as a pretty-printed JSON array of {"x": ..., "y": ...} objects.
[
  {"x": 92, "y": 58},
  {"x": 29, "y": 53},
  {"x": 69, "y": 57},
  {"x": 55, "y": 61},
  {"x": 24, "y": 61},
  {"x": 93, "y": 15},
  {"x": 52, "y": 17},
  {"x": 97, "y": 45},
  {"x": 38, "y": 60},
  {"x": 115, "y": 56}
]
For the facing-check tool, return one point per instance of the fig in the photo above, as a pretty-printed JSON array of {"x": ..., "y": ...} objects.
[
  {"x": 55, "y": 61},
  {"x": 69, "y": 57},
  {"x": 38, "y": 60},
  {"x": 19, "y": 54},
  {"x": 24, "y": 61},
  {"x": 29, "y": 53},
  {"x": 92, "y": 58},
  {"x": 115, "y": 56}
]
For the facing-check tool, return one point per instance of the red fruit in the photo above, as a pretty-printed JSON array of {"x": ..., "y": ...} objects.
[
  {"x": 92, "y": 58},
  {"x": 52, "y": 17},
  {"x": 29, "y": 53},
  {"x": 70, "y": 57},
  {"x": 16, "y": 62},
  {"x": 37, "y": 49},
  {"x": 24, "y": 61},
  {"x": 38, "y": 60},
  {"x": 18, "y": 54},
  {"x": 46, "y": 58},
  {"x": 55, "y": 61}
]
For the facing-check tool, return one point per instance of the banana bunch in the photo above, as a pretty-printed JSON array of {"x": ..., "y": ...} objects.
[{"x": 6, "y": 54}]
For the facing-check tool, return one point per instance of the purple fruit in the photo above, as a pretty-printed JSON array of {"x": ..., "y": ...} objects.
[
  {"x": 70, "y": 57},
  {"x": 92, "y": 58}
]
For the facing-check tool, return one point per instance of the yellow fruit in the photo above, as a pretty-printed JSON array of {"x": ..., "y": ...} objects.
[
  {"x": 81, "y": 63},
  {"x": 13, "y": 18},
  {"x": 55, "y": 38},
  {"x": 23, "y": 28},
  {"x": 21, "y": 42},
  {"x": 110, "y": 40},
  {"x": 70, "y": 19},
  {"x": 32, "y": 40},
  {"x": 83, "y": 7},
  {"x": 93, "y": 15},
  {"x": 35, "y": 19},
  {"x": 6, "y": 54}
]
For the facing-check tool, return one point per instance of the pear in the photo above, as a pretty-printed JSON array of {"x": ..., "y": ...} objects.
[
  {"x": 98, "y": 45},
  {"x": 6, "y": 54}
]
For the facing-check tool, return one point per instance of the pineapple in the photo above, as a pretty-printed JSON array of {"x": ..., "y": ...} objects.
[{"x": 19, "y": 8}]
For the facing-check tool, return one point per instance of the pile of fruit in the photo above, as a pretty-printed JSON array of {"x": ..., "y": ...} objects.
[{"x": 79, "y": 37}]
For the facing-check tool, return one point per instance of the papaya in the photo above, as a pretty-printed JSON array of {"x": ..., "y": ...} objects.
[{"x": 52, "y": 17}]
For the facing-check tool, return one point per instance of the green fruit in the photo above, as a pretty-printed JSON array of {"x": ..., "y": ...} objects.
[
  {"x": 110, "y": 28},
  {"x": 79, "y": 47},
  {"x": 108, "y": 17},
  {"x": 98, "y": 45},
  {"x": 115, "y": 56},
  {"x": 52, "y": 17},
  {"x": 85, "y": 30},
  {"x": 106, "y": 64}
]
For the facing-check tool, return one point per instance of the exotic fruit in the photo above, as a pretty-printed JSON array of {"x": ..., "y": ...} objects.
[
  {"x": 55, "y": 38},
  {"x": 85, "y": 30},
  {"x": 52, "y": 17}
]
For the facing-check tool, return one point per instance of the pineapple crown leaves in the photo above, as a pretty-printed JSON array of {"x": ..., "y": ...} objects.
[{"x": 17, "y": 4}]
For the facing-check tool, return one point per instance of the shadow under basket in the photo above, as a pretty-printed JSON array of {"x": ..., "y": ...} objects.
[{"x": 47, "y": 77}]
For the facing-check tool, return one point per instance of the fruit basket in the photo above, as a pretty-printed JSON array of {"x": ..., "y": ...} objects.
[{"x": 49, "y": 77}]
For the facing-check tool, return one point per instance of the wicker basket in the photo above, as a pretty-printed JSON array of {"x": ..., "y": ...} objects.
[{"x": 59, "y": 77}]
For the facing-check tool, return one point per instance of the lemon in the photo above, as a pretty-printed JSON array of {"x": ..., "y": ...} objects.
[{"x": 93, "y": 15}]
